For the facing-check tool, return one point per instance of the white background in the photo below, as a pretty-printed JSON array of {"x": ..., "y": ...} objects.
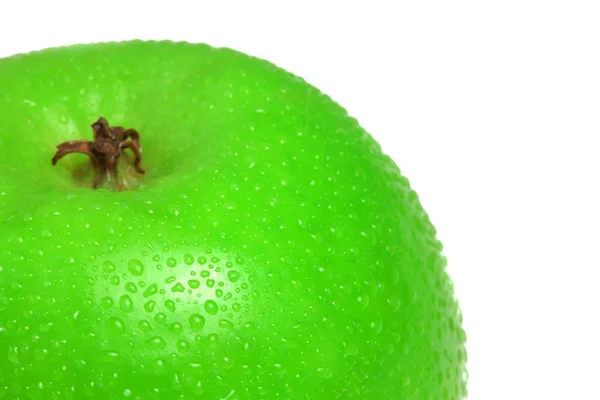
[{"x": 491, "y": 109}]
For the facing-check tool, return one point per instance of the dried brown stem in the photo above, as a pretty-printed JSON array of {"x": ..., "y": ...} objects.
[{"x": 104, "y": 152}]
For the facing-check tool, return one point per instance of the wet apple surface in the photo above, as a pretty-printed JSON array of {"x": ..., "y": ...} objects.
[{"x": 271, "y": 249}]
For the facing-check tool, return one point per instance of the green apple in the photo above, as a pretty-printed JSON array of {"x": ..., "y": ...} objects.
[{"x": 270, "y": 251}]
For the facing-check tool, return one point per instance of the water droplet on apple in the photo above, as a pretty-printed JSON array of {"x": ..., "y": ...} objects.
[
  {"x": 171, "y": 262},
  {"x": 197, "y": 322},
  {"x": 145, "y": 326},
  {"x": 205, "y": 274},
  {"x": 188, "y": 259},
  {"x": 149, "y": 306},
  {"x": 233, "y": 276},
  {"x": 160, "y": 318},
  {"x": 176, "y": 327},
  {"x": 210, "y": 283},
  {"x": 116, "y": 325},
  {"x": 159, "y": 365},
  {"x": 126, "y": 304},
  {"x": 135, "y": 267},
  {"x": 111, "y": 354},
  {"x": 109, "y": 266},
  {"x": 211, "y": 307},
  {"x": 115, "y": 280},
  {"x": 151, "y": 290},
  {"x": 178, "y": 288},
  {"x": 183, "y": 346},
  {"x": 156, "y": 343},
  {"x": 236, "y": 307},
  {"x": 213, "y": 339},
  {"x": 107, "y": 302},
  {"x": 225, "y": 323},
  {"x": 194, "y": 284},
  {"x": 130, "y": 287},
  {"x": 170, "y": 305},
  {"x": 202, "y": 260}
]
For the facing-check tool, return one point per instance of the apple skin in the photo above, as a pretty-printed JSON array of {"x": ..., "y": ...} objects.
[{"x": 272, "y": 251}]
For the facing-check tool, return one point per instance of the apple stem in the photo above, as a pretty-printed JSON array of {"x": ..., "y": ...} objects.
[{"x": 104, "y": 152}]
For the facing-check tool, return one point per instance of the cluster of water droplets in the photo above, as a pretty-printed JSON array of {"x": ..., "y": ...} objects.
[{"x": 172, "y": 304}]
